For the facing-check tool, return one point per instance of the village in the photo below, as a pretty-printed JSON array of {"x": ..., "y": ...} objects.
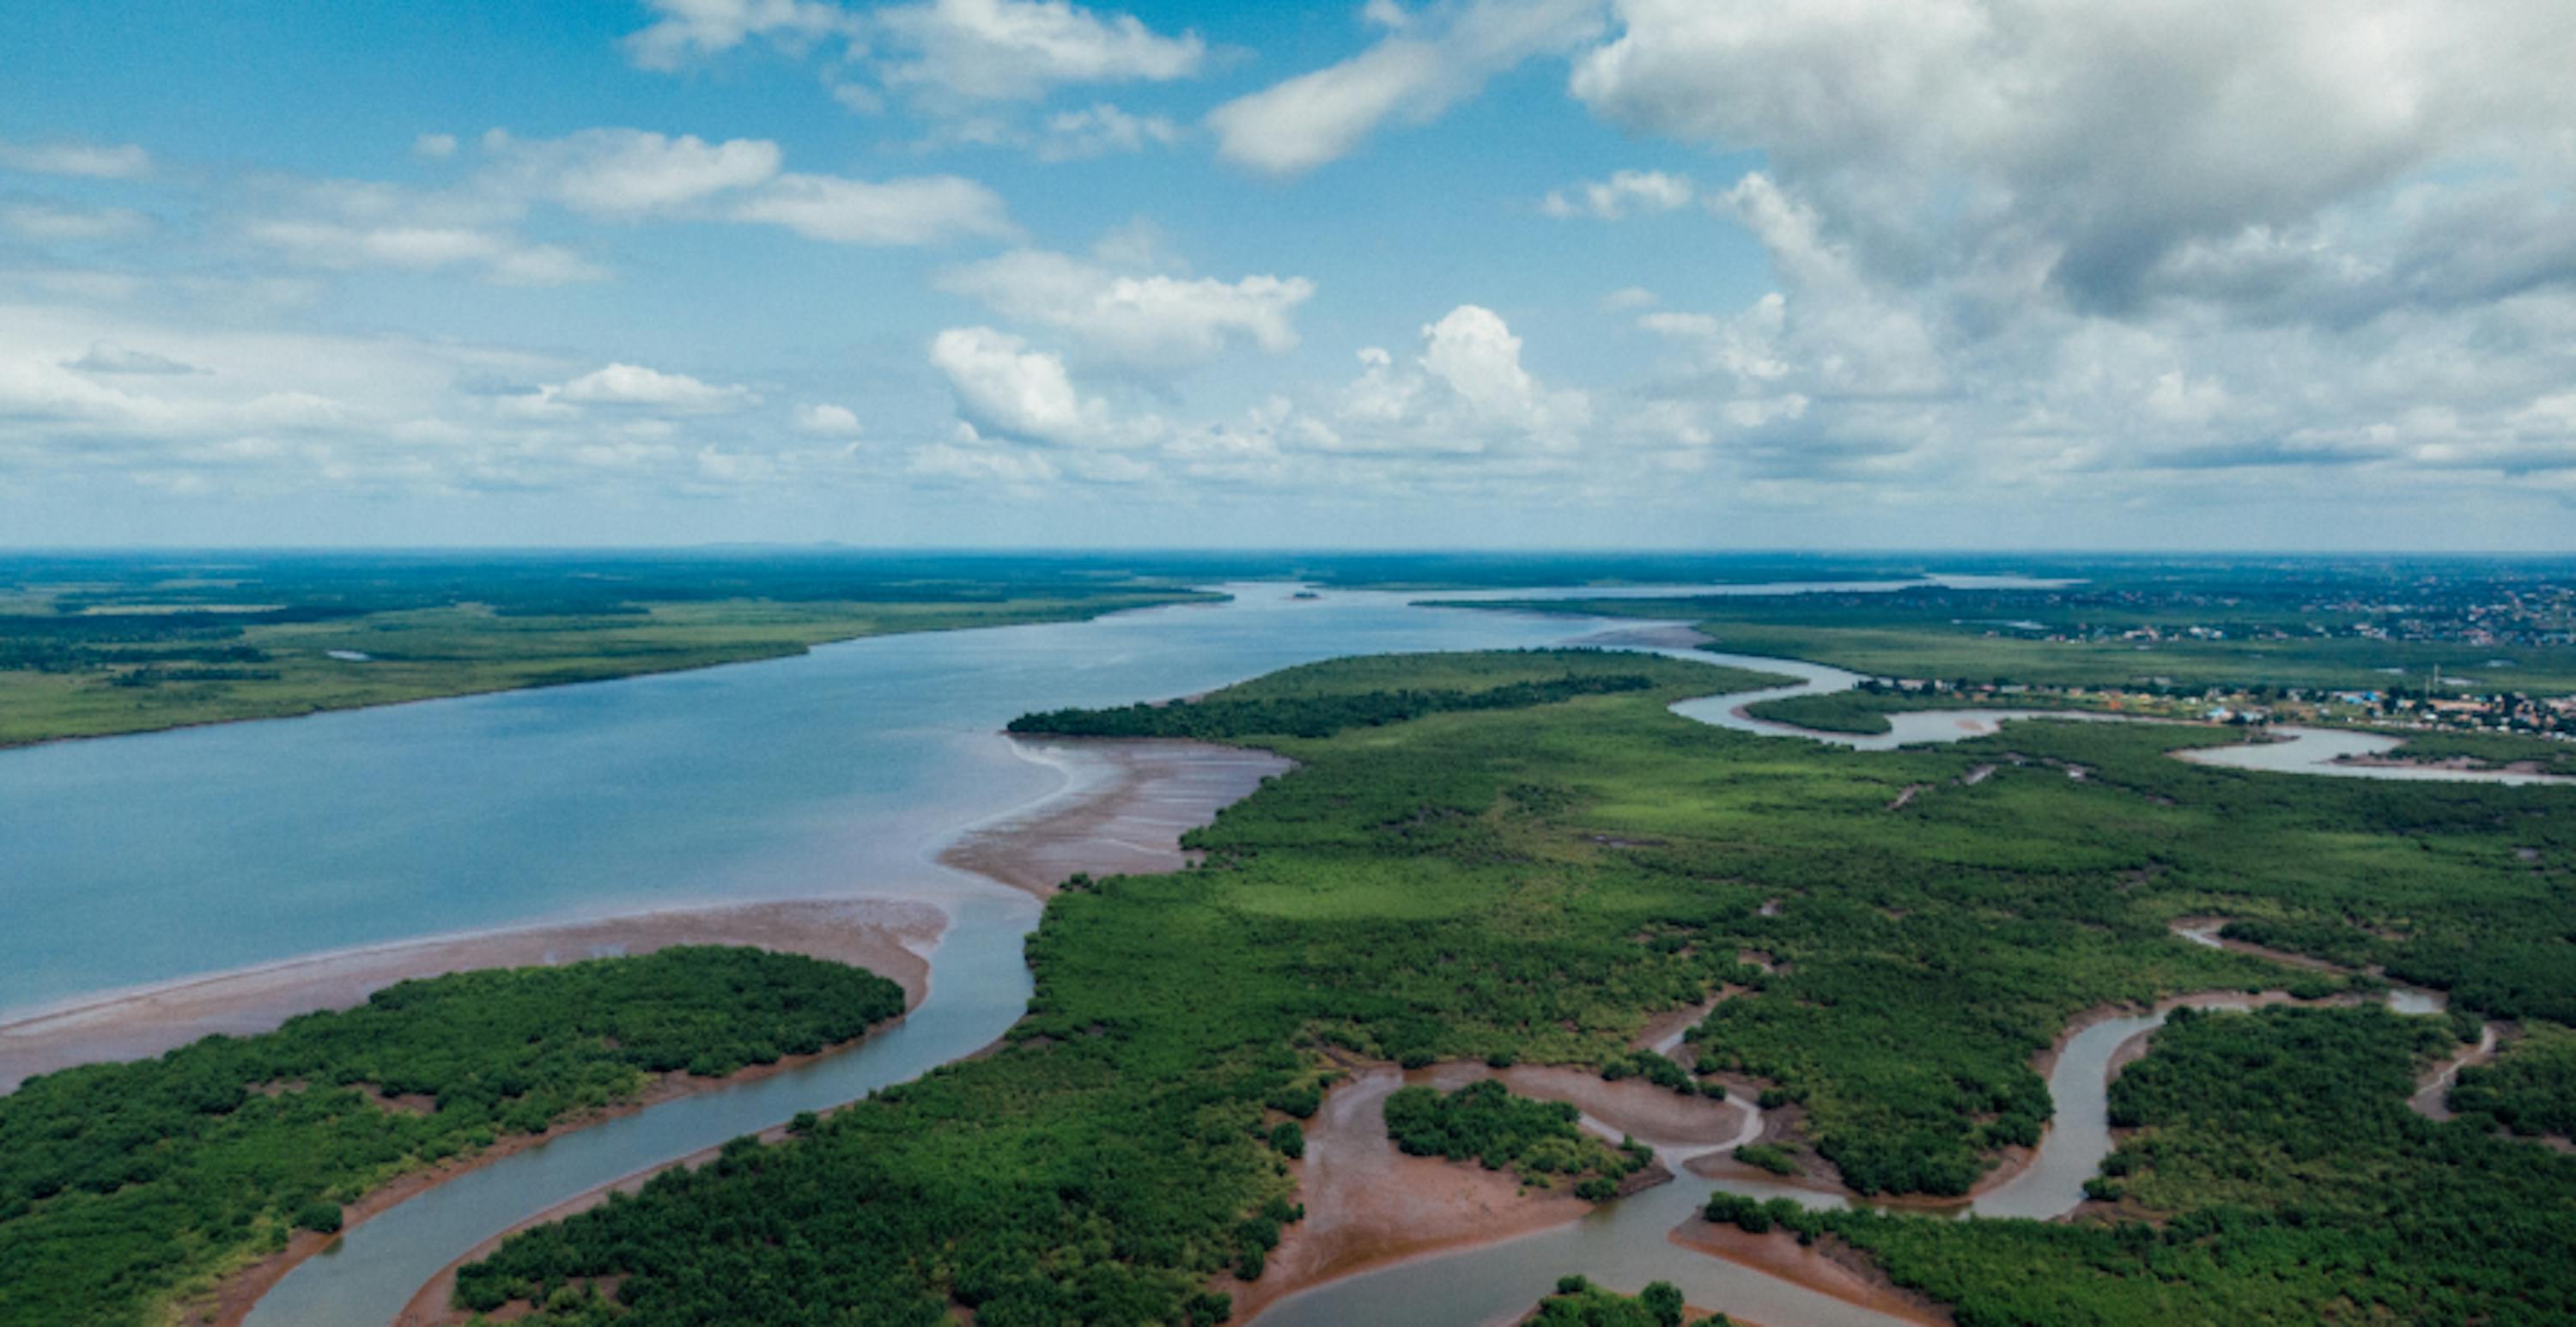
[{"x": 2507, "y": 713}]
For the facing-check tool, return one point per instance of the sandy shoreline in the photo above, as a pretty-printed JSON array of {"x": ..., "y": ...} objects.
[
  {"x": 1124, "y": 807},
  {"x": 887, "y": 936}
]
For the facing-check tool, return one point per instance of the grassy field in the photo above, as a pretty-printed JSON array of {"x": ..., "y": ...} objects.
[
  {"x": 1533, "y": 883},
  {"x": 92, "y": 657},
  {"x": 125, "y": 1187}
]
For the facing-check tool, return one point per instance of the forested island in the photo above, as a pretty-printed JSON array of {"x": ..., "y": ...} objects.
[
  {"x": 127, "y": 1188},
  {"x": 1473, "y": 882}
]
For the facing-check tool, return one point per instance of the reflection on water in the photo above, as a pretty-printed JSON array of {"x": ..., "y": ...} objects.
[{"x": 139, "y": 859}]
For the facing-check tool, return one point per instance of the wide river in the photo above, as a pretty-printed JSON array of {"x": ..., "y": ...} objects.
[{"x": 139, "y": 860}]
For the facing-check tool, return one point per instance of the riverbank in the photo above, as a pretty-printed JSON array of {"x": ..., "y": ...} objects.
[
  {"x": 1122, "y": 810},
  {"x": 889, "y": 937}
]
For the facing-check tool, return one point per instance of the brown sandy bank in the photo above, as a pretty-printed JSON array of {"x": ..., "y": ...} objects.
[
  {"x": 1828, "y": 1267},
  {"x": 1368, "y": 1205},
  {"x": 886, "y": 936},
  {"x": 1124, "y": 807}
]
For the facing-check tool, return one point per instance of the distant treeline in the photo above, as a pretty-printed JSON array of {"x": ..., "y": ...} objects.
[
  {"x": 1312, "y": 716},
  {"x": 124, "y": 1184}
]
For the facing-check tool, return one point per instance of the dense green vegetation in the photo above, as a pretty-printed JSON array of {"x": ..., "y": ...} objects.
[
  {"x": 1536, "y": 1140},
  {"x": 1531, "y": 885},
  {"x": 1767, "y": 1156},
  {"x": 2275, "y": 1176},
  {"x": 1579, "y": 1303},
  {"x": 129, "y": 643},
  {"x": 122, "y": 1185},
  {"x": 2530, "y": 1088},
  {"x": 1314, "y": 716}
]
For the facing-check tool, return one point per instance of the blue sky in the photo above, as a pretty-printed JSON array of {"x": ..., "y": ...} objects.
[{"x": 1496, "y": 273}]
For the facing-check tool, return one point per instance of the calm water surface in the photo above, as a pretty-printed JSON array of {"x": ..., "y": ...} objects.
[{"x": 141, "y": 859}]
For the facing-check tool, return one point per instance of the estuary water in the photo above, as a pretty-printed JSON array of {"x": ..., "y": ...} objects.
[{"x": 133, "y": 861}]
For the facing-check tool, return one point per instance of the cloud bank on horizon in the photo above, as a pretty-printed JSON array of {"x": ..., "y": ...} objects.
[{"x": 1471, "y": 272}]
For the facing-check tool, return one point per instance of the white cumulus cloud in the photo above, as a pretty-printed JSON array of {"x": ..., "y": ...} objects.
[
  {"x": 829, "y": 421},
  {"x": 1019, "y": 50},
  {"x": 627, "y": 172},
  {"x": 921, "y": 210},
  {"x": 48, "y": 222},
  {"x": 124, "y": 161},
  {"x": 635, "y": 385},
  {"x": 1624, "y": 193},
  {"x": 694, "y": 29},
  {"x": 1410, "y": 75},
  {"x": 1139, "y": 320},
  {"x": 1005, "y": 387}
]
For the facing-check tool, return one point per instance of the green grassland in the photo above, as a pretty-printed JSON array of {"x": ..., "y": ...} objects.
[
  {"x": 190, "y": 667},
  {"x": 125, "y": 1187},
  {"x": 1532, "y": 883}
]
